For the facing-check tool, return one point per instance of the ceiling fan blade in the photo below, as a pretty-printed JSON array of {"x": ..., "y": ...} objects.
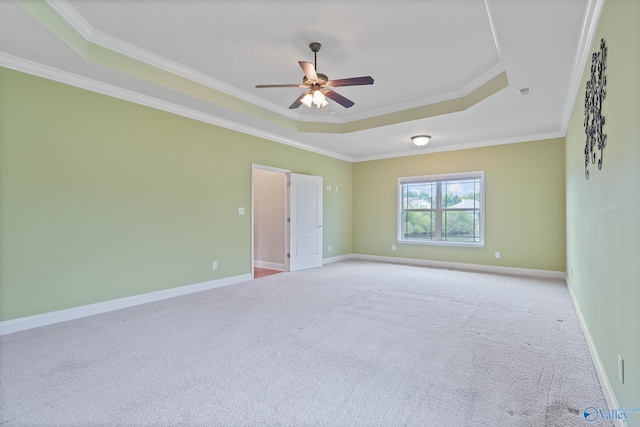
[
  {"x": 346, "y": 103},
  {"x": 296, "y": 103},
  {"x": 353, "y": 81},
  {"x": 284, "y": 85},
  {"x": 309, "y": 70}
]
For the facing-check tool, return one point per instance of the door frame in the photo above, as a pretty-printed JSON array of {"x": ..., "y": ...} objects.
[{"x": 287, "y": 173}]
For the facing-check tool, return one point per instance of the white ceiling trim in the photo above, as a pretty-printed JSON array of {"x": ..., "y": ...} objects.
[
  {"x": 493, "y": 29},
  {"x": 50, "y": 73},
  {"x": 459, "y": 93},
  {"x": 479, "y": 144},
  {"x": 90, "y": 34},
  {"x": 69, "y": 14},
  {"x": 84, "y": 31},
  {"x": 588, "y": 33},
  {"x": 77, "y": 21}
]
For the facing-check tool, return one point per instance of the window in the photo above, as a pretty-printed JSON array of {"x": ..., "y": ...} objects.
[{"x": 442, "y": 209}]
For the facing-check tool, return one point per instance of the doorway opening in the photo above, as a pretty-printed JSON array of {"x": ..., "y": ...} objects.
[
  {"x": 286, "y": 220},
  {"x": 270, "y": 227}
]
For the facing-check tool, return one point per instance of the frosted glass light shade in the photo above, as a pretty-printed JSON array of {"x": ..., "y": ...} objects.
[
  {"x": 307, "y": 99},
  {"x": 421, "y": 140},
  {"x": 318, "y": 98}
]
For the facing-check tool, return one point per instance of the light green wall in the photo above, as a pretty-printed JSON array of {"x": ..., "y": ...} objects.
[
  {"x": 524, "y": 204},
  {"x": 603, "y": 213},
  {"x": 102, "y": 198}
]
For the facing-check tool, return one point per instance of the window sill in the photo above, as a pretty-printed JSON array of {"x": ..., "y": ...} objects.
[{"x": 440, "y": 243}]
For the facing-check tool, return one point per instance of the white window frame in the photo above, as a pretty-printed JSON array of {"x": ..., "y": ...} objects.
[{"x": 434, "y": 178}]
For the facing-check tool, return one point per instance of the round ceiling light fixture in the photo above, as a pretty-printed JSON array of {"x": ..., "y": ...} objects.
[{"x": 421, "y": 140}]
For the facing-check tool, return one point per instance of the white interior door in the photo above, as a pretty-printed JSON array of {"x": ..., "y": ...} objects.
[{"x": 305, "y": 210}]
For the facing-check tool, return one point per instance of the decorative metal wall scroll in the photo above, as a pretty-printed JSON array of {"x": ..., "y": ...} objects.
[{"x": 594, "y": 121}]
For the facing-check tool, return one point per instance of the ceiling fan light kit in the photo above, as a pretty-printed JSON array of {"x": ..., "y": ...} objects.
[
  {"x": 420, "y": 140},
  {"x": 319, "y": 86},
  {"x": 307, "y": 99}
]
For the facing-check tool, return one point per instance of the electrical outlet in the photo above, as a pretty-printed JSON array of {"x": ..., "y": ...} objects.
[
  {"x": 337, "y": 188},
  {"x": 393, "y": 247},
  {"x": 497, "y": 255},
  {"x": 328, "y": 188},
  {"x": 329, "y": 248},
  {"x": 240, "y": 211},
  {"x": 214, "y": 265},
  {"x": 621, "y": 369}
]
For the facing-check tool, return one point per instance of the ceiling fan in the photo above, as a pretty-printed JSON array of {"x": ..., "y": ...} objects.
[{"x": 319, "y": 86}]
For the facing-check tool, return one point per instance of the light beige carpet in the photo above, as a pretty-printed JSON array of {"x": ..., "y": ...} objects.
[{"x": 354, "y": 343}]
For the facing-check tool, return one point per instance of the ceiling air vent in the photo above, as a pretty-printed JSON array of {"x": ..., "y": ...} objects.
[{"x": 524, "y": 91}]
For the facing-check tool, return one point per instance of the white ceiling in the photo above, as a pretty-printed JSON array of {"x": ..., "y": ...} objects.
[{"x": 418, "y": 52}]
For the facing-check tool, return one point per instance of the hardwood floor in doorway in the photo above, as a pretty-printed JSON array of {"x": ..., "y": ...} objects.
[{"x": 262, "y": 272}]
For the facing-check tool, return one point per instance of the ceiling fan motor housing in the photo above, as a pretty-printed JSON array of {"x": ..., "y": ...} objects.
[{"x": 322, "y": 80}]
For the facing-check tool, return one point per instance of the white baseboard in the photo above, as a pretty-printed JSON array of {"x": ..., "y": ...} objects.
[
  {"x": 337, "y": 258},
  {"x": 24, "y": 323},
  {"x": 30, "y": 322},
  {"x": 269, "y": 265},
  {"x": 464, "y": 266},
  {"x": 607, "y": 390}
]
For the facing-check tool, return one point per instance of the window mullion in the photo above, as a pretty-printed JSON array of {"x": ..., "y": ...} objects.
[{"x": 438, "y": 211}]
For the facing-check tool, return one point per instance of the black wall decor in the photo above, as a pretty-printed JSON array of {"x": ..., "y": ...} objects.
[{"x": 594, "y": 121}]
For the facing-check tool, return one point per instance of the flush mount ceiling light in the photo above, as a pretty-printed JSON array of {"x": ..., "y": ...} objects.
[{"x": 421, "y": 140}]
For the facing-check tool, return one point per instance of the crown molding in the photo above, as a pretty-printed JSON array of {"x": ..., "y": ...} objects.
[
  {"x": 421, "y": 102},
  {"x": 69, "y": 14},
  {"x": 64, "y": 77},
  {"x": 592, "y": 15},
  {"x": 493, "y": 29},
  {"x": 479, "y": 144},
  {"x": 50, "y": 73},
  {"x": 447, "y": 96},
  {"x": 91, "y": 35}
]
